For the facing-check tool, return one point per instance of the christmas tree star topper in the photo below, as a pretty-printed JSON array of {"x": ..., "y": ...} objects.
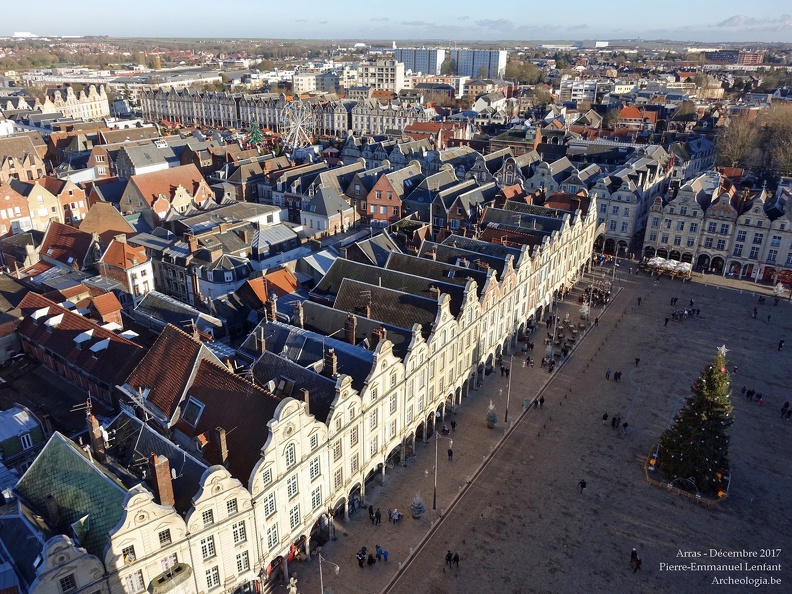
[{"x": 722, "y": 350}]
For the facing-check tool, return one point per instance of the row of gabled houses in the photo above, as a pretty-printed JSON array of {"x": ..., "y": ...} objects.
[{"x": 210, "y": 478}]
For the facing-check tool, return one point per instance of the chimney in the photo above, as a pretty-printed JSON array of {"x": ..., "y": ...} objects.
[
  {"x": 330, "y": 364},
  {"x": 435, "y": 291},
  {"x": 222, "y": 445},
  {"x": 269, "y": 307},
  {"x": 261, "y": 345},
  {"x": 299, "y": 319},
  {"x": 363, "y": 310},
  {"x": 377, "y": 336},
  {"x": 432, "y": 254},
  {"x": 230, "y": 365},
  {"x": 53, "y": 510},
  {"x": 192, "y": 243},
  {"x": 350, "y": 328},
  {"x": 306, "y": 395},
  {"x": 160, "y": 472},
  {"x": 120, "y": 238},
  {"x": 97, "y": 439}
]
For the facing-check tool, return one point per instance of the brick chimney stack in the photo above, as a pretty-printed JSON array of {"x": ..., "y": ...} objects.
[
  {"x": 350, "y": 328},
  {"x": 299, "y": 316},
  {"x": 306, "y": 396},
  {"x": 330, "y": 364},
  {"x": 377, "y": 336},
  {"x": 261, "y": 343},
  {"x": 192, "y": 243},
  {"x": 270, "y": 307},
  {"x": 160, "y": 472},
  {"x": 97, "y": 439},
  {"x": 221, "y": 442}
]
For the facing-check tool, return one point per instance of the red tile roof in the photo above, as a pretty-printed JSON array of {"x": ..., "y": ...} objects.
[
  {"x": 175, "y": 351},
  {"x": 240, "y": 407},
  {"x": 109, "y": 367},
  {"x": 282, "y": 282},
  {"x": 106, "y": 221},
  {"x": 62, "y": 242},
  {"x": 123, "y": 255},
  {"x": 165, "y": 182},
  {"x": 106, "y": 303},
  {"x": 53, "y": 185}
]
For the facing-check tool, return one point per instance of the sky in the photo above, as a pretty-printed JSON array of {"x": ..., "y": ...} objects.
[{"x": 444, "y": 20}]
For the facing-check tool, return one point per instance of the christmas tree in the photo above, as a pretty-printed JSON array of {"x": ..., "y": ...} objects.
[
  {"x": 255, "y": 137},
  {"x": 492, "y": 415},
  {"x": 417, "y": 506},
  {"x": 696, "y": 446}
]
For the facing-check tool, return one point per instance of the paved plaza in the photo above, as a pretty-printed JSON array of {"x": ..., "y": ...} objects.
[{"x": 522, "y": 525}]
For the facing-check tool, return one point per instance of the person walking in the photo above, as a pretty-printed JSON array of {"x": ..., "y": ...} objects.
[
  {"x": 377, "y": 517},
  {"x": 385, "y": 556},
  {"x": 637, "y": 360},
  {"x": 541, "y": 401},
  {"x": 633, "y": 557},
  {"x": 390, "y": 515},
  {"x": 371, "y": 513},
  {"x": 449, "y": 559},
  {"x": 582, "y": 485},
  {"x": 666, "y": 320},
  {"x": 639, "y": 300},
  {"x": 780, "y": 344},
  {"x": 605, "y": 417},
  {"x": 450, "y": 454},
  {"x": 596, "y": 321},
  {"x": 371, "y": 560},
  {"x": 624, "y": 427},
  {"x": 453, "y": 426},
  {"x": 456, "y": 559},
  {"x": 361, "y": 558},
  {"x": 378, "y": 551},
  {"x": 637, "y": 564},
  {"x": 607, "y": 373}
]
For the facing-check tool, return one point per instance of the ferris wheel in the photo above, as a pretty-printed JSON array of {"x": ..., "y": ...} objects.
[{"x": 296, "y": 124}]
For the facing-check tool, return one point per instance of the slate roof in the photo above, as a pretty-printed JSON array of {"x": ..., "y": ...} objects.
[
  {"x": 63, "y": 470},
  {"x": 180, "y": 354},
  {"x": 134, "y": 441},
  {"x": 62, "y": 242},
  {"x": 24, "y": 538},
  {"x": 375, "y": 250},
  {"x": 326, "y": 201},
  {"x": 109, "y": 190},
  {"x": 161, "y": 309},
  {"x": 482, "y": 247},
  {"x": 405, "y": 180},
  {"x": 440, "y": 271},
  {"x": 109, "y": 365},
  {"x": 240, "y": 407},
  {"x": 453, "y": 255},
  {"x": 149, "y": 154},
  {"x": 373, "y": 276},
  {"x": 127, "y": 134},
  {"x": 267, "y": 237}
]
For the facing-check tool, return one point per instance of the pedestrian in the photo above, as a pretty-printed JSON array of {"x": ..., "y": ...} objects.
[
  {"x": 449, "y": 559},
  {"x": 456, "y": 559},
  {"x": 371, "y": 513},
  {"x": 750, "y": 394},
  {"x": 672, "y": 303},
  {"x": 613, "y": 422},
  {"x": 637, "y": 360},
  {"x": 371, "y": 560},
  {"x": 637, "y": 564},
  {"x": 605, "y": 417},
  {"x": 507, "y": 372},
  {"x": 633, "y": 557},
  {"x": 502, "y": 370},
  {"x": 698, "y": 311},
  {"x": 624, "y": 428},
  {"x": 789, "y": 413},
  {"x": 377, "y": 517},
  {"x": 768, "y": 318},
  {"x": 607, "y": 374},
  {"x": 666, "y": 320},
  {"x": 536, "y": 404},
  {"x": 541, "y": 401},
  {"x": 450, "y": 454},
  {"x": 734, "y": 369},
  {"x": 390, "y": 515},
  {"x": 385, "y": 556},
  {"x": 780, "y": 344},
  {"x": 691, "y": 303},
  {"x": 582, "y": 485},
  {"x": 639, "y": 301},
  {"x": 596, "y": 321},
  {"x": 379, "y": 553},
  {"x": 361, "y": 558},
  {"x": 453, "y": 426}
]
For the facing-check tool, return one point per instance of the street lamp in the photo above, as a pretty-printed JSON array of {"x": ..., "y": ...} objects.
[
  {"x": 450, "y": 445},
  {"x": 508, "y": 389},
  {"x": 336, "y": 568}
]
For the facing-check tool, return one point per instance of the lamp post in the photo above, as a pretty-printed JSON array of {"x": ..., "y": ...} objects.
[
  {"x": 336, "y": 568},
  {"x": 508, "y": 389},
  {"x": 451, "y": 445}
]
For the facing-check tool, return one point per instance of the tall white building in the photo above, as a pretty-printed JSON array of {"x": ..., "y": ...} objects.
[
  {"x": 425, "y": 61},
  {"x": 464, "y": 62},
  {"x": 383, "y": 74}
]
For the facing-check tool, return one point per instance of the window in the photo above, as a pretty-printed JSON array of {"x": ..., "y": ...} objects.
[
  {"x": 164, "y": 537},
  {"x": 208, "y": 517},
  {"x": 373, "y": 446},
  {"x": 626, "y": 212},
  {"x": 238, "y": 530},
  {"x": 353, "y": 436},
  {"x": 724, "y": 229},
  {"x": 615, "y": 210},
  {"x": 758, "y": 238},
  {"x": 266, "y": 476},
  {"x": 711, "y": 227},
  {"x": 128, "y": 554},
  {"x": 653, "y": 236},
  {"x": 338, "y": 479},
  {"x": 192, "y": 412},
  {"x": 680, "y": 226},
  {"x": 373, "y": 419},
  {"x": 25, "y": 441},
  {"x": 683, "y": 210},
  {"x": 378, "y": 194},
  {"x": 754, "y": 253},
  {"x": 292, "y": 487},
  {"x": 392, "y": 403},
  {"x": 383, "y": 210},
  {"x": 409, "y": 414},
  {"x": 691, "y": 241},
  {"x": 353, "y": 464},
  {"x": 291, "y": 455},
  {"x": 337, "y": 450},
  {"x": 664, "y": 238},
  {"x": 272, "y": 536},
  {"x": 373, "y": 209},
  {"x": 316, "y": 497},
  {"x": 314, "y": 468},
  {"x": 789, "y": 259},
  {"x": 667, "y": 223},
  {"x": 694, "y": 227},
  {"x": 775, "y": 241},
  {"x": 612, "y": 226},
  {"x": 294, "y": 517},
  {"x": 134, "y": 582},
  {"x": 231, "y": 507},
  {"x": 721, "y": 245},
  {"x": 314, "y": 441},
  {"x": 708, "y": 242},
  {"x": 624, "y": 227},
  {"x": 740, "y": 235},
  {"x": 242, "y": 561},
  {"x": 677, "y": 240},
  {"x": 212, "y": 577},
  {"x": 655, "y": 221},
  {"x": 269, "y": 505},
  {"x": 208, "y": 547},
  {"x": 374, "y": 393},
  {"x": 603, "y": 208},
  {"x": 771, "y": 256},
  {"x": 68, "y": 583},
  {"x": 392, "y": 430},
  {"x": 759, "y": 223},
  {"x": 167, "y": 562}
]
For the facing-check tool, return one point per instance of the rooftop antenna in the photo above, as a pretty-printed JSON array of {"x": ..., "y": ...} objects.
[{"x": 86, "y": 406}]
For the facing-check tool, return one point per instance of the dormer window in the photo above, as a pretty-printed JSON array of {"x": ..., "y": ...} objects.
[{"x": 192, "y": 411}]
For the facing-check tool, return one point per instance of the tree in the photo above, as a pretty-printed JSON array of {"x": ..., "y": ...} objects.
[
  {"x": 737, "y": 144},
  {"x": 482, "y": 71},
  {"x": 417, "y": 506},
  {"x": 445, "y": 68},
  {"x": 492, "y": 415},
  {"x": 696, "y": 446},
  {"x": 255, "y": 137}
]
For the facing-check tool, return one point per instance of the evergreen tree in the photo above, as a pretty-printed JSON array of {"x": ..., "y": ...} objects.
[
  {"x": 417, "y": 506},
  {"x": 255, "y": 137},
  {"x": 696, "y": 446},
  {"x": 492, "y": 415}
]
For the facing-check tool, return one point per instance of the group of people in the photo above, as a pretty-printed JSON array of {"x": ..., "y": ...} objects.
[
  {"x": 751, "y": 394},
  {"x": 616, "y": 376},
  {"x": 452, "y": 559},
  {"x": 786, "y": 411},
  {"x": 365, "y": 558},
  {"x": 595, "y": 296},
  {"x": 615, "y": 422}
]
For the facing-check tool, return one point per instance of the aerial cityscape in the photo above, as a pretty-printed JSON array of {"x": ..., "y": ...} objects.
[{"x": 415, "y": 301}]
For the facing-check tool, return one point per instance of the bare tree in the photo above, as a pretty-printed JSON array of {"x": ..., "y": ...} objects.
[{"x": 737, "y": 144}]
